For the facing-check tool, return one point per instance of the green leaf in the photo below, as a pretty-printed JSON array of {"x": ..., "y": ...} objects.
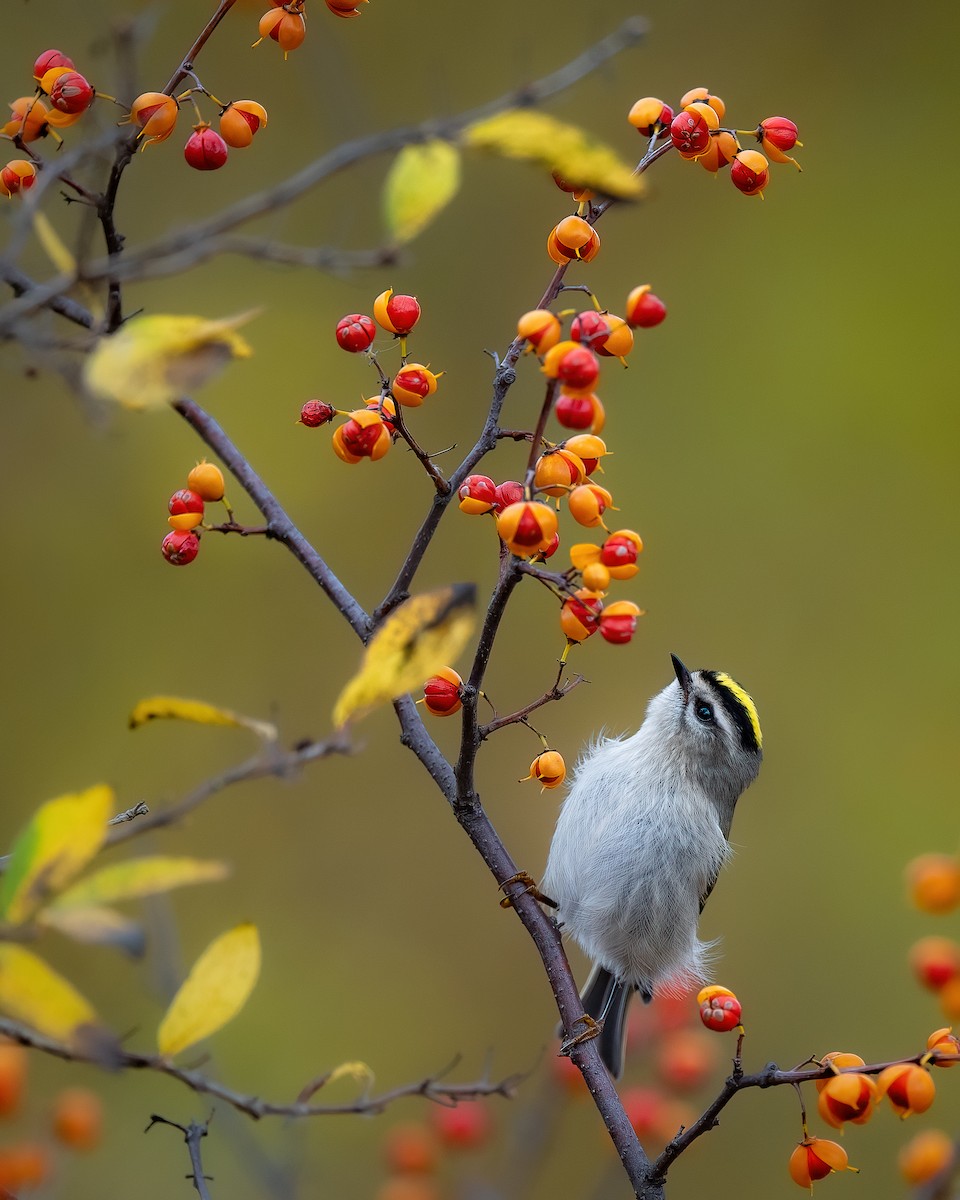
[
  {"x": 139, "y": 877},
  {"x": 421, "y": 182},
  {"x": 564, "y": 150},
  {"x": 218, "y": 986},
  {"x": 63, "y": 836},
  {"x": 34, "y": 993}
]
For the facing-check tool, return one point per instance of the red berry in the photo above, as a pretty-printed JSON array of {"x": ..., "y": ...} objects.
[
  {"x": 205, "y": 149},
  {"x": 578, "y": 369},
  {"x": 185, "y": 501},
  {"x": 644, "y": 309},
  {"x": 355, "y": 332},
  {"x": 779, "y": 131},
  {"x": 180, "y": 547},
  {"x": 590, "y": 328},
  {"x": 749, "y": 173},
  {"x": 396, "y": 313},
  {"x": 316, "y": 412},
  {"x": 618, "y": 622},
  {"x": 690, "y": 133},
  {"x": 462, "y": 1127},
  {"x": 477, "y": 494},
  {"x": 721, "y": 1012},
  {"x": 48, "y": 59},
  {"x": 71, "y": 93},
  {"x": 441, "y": 693},
  {"x": 507, "y": 493}
]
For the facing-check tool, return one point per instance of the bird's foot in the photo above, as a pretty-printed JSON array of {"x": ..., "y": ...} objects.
[
  {"x": 591, "y": 1029},
  {"x": 530, "y": 889}
]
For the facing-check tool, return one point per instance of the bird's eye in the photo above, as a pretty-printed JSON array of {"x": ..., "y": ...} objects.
[{"x": 704, "y": 712}]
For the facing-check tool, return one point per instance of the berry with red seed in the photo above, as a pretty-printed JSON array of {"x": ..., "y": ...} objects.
[
  {"x": 205, "y": 149},
  {"x": 240, "y": 120},
  {"x": 749, "y": 172},
  {"x": 71, "y": 93},
  {"x": 180, "y": 547},
  {"x": 48, "y": 59},
  {"x": 396, "y": 313},
  {"x": 316, "y": 412},
  {"x": 478, "y": 494},
  {"x": 590, "y": 329},
  {"x": 509, "y": 492},
  {"x": 649, "y": 116},
  {"x": 644, "y": 309},
  {"x": 186, "y": 509},
  {"x": 355, "y": 332}
]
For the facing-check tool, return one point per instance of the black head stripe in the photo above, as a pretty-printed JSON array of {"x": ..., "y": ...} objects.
[{"x": 735, "y": 710}]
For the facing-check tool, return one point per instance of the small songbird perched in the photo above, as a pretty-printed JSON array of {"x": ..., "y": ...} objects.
[{"x": 641, "y": 838}]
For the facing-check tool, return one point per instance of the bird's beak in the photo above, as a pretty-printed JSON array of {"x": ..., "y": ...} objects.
[{"x": 683, "y": 677}]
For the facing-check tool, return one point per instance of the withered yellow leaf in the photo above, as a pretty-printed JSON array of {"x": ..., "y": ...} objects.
[
  {"x": 61, "y": 838},
  {"x": 564, "y": 150},
  {"x": 154, "y": 359},
  {"x": 32, "y": 992},
  {"x": 139, "y": 877},
  {"x": 421, "y": 182},
  {"x": 352, "y": 1070},
  {"x": 155, "y": 708},
  {"x": 218, "y": 986},
  {"x": 419, "y": 637},
  {"x": 95, "y": 924}
]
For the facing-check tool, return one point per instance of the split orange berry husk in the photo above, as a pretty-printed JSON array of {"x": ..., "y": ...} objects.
[
  {"x": 206, "y": 479},
  {"x": 909, "y": 1088},
  {"x": 838, "y": 1059},
  {"x": 557, "y": 471},
  {"x": 573, "y": 238},
  {"x": 541, "y": 329},
  {"x": 186, "y": 509},
  {"x": 587, "y": 504},
  {"x": 413, "y": 383},
  {"x": 702, "y": 95},
  {"x": 576, "y": 367},
  {"x": 847, "y": 1097},
  {"x": 777, "y": 135},
  {"x": 527, "y": 527},
  {"x": 588, "y": 448},
  {"x": 29, "y": 120},
  {"x": 618, "y": 623},
  {"x": 441, "y": 693},
  {"x": 815, "y": 1158},
  {"x": 929, "y": 1154},
  {"x": 650, "y": 115},
  {"x": 720, "y": 153},
  {"x": 18, "y": 175},
  {"x": 933, "y": 882},
  {"x": 549, "y": 768},
  {"x": 156, "y": 114},
  {"x": 749, "y": 172},
  {"x": 363, "y": 436},
  {"x": 240, "y": 120},
  {"x": 945, "y": 1047},
  {"x": 287, "y": 29},
  {"x": 580, "y": 614},
  {"x": 619, "y": 343},
  {"x": 596, "y": 577},
  {"x": 643, "y": 308}
]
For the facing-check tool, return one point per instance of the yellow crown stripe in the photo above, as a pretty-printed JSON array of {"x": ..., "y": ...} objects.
[{"x": 745, "y": 700}]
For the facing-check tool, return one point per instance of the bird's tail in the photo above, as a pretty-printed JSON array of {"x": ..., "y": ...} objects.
[{"x": 605, "y": 998}]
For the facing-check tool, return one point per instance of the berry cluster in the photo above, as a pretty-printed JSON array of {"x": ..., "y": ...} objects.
[
  {"x": 414, "y": 1152},
  {"x": 369, "y": 432},
  {"x": 204, "y": 483},
  {"x": 696, "y": 134},
  {"x": 75, "y": 1123},
  {"x": 156, "y": 113},
  {"x": 286, "y": 24}
]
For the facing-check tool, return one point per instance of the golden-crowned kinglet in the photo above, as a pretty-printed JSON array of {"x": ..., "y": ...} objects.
[{"x": 641, "y": 838}]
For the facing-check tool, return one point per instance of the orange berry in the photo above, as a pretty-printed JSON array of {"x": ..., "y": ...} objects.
[
  {"x": 644, "y": 309},
  {"x": 720, "y": 153},
  {"x": 596, "y": 577},
  {"x": 541, "y": 328},
  {"x": 749, "y": 172},
  {"x": 847, "y": 1097},
  {"x": 816, "y": 1158},
  {"x": 686, "y": 1058},
  {"x": 926, "y": 1155},
  {"x": 156, "y": 113},
  {"x": 410, "y": 1149},
  {"x": 909, "y": 1088},
  {"x": 580, "y": 410},
  {"x": 700, "y": 95},
  {"x": 527, "y": 527},
  {"x": 573, "y": 238},
  {"x": 13, "y": 1075},
  {"x": 557, "y": 471},
  {"x": 477, "y": 494},
  {"x": 943, "y": 1042},
  {"x": 588, "y": 503},
  {"x": 240, "y": 120},
  {"x": 618, "y": 622},
  {"x": 650, "y": 115},
  {"x": 838, "y": 1058},
  {"x": 933, "y": 881},
  {"x": 18, "y": 175},
  {"x": 580, "y": 614},
  {"x": 935, "y": 961},
  {"x": 619, "y": 343},
  {"x": 364, "y": 435},
  {"x": 206, "y": 479},
  {"x": 549, "y": 768},
  {"x": 396, "y": 313},
  {"x": 29, "y": 120},
  {"x": 588, "y": 448},
  {"x": 287, "y": 29},
  {"x": 408, "y": 1187},
  {"x": 78, "y": 1118},
  {"x": 413, "y": 383},
  {"x": 619, "y": 553}
]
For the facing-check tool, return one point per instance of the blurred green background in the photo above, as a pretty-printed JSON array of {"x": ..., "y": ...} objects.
[{"x": 786, "y": 444}]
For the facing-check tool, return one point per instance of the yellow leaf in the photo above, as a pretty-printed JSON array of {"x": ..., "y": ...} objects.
[
  {"x": 175, "y": 707},
  {"x": 564, "y": 150},
  {"x": 152, "y": 360},
  {"x": 218, "y": 986},
  {"x": 61, "y": 838},
  {"x": 352, "y": 1070},
  {"x": 53, "y": 244},
  {"x": 92, "y": 923},
  {"x": 34, "y": 993},
  {"x": 421, "y": 182},
  {"x": 139, "y": 877},
  {"x": 419, "y": 637}
]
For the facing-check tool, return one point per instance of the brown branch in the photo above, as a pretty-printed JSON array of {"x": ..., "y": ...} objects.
[
  {"x": 429, "y": 1088},
  {"x": 192, "y": 1135},
  {"x": 557, "y": 692}
]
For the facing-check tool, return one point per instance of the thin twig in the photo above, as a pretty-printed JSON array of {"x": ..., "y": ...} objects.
[{"x": 192, "y": 1135}]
